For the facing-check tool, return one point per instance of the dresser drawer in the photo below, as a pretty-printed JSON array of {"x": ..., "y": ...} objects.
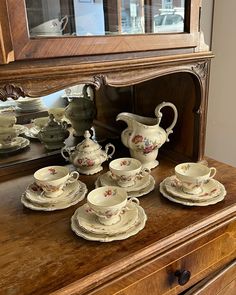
[{"x": 179, "y": 269}]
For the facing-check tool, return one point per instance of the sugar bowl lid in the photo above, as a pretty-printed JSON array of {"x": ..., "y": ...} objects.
[{"x": 88, "y": 145}]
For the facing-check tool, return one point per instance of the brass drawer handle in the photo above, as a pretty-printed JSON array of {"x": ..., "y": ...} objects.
[{"x": 183, "y": 276}]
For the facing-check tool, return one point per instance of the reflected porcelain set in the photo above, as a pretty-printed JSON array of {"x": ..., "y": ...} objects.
[{"x": 10, "y": 140}]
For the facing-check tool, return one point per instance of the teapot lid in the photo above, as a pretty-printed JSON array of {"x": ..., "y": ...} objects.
[
  {"x": 54, "y": 126},
  {"x": 87, "y": 145}
]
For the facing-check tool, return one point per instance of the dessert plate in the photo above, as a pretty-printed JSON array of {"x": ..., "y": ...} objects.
[
  {"x": 150, "y": 185},
  {"x": 106, "y": 179},
  {"x": 88, "y": 221},
  {"x": 17, "y": 144},
  {"x": 20, "y": 129},
  {"x": 210, "y": 190},
  {"x": 139, "y": 225},
  {"x": 32, "y": 132},
  {"x": 77, "y": 197},
  {"x": 35, "y": 194},
  {"x": 190, "y": 202}
]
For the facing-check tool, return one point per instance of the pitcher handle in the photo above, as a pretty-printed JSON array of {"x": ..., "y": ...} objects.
[
  {"x": 109, "y": 145},
  {"x": 63, "y": 150},
  {"x": 159, "y": 116}
]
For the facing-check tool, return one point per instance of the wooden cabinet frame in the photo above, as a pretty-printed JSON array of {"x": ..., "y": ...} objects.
[{"x": 29, "y": 48}]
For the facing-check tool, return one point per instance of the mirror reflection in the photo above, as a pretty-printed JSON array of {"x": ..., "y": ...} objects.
[
  {"x": 33, "y": 128},
  {"x": 57, "y": 18}
]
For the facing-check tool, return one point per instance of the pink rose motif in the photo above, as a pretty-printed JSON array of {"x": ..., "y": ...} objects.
[
  {"x": 80, "y": 161},
  {"x": 90, "y": 162},
  {"x": 148, "y": 149},
  {"x": 108, "y": 193},
  {"x": 52, "y": 171},
  {"x": 137, "y": 139}
]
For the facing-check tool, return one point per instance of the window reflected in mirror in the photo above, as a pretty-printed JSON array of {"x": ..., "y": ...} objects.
[{"x": 57, "y": 18}]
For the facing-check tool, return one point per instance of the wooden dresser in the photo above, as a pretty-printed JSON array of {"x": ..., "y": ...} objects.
[
  {"x": 40, "y": 254},
  {"x": 182, "y": 249}
]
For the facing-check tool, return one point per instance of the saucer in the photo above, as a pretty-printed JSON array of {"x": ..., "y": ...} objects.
[
  {"x": 74, "y": 198},
  {"x": 210, "y": 190},
  {"x": 35, "y": 194},
  {"x": 106, "y": 179},
  {"x": 150, "y": 186},
  {"x": 32, "y": 132},
  {"x": 139, "y": 225},
  {"x": 88, "y": 221},
  {"x": 17, "y": 144},
  {"x": 20, "y": 129},
  {"x": 191, "y": 202}
]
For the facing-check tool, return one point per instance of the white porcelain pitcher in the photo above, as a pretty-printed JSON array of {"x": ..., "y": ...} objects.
[{"x": 144, "y": 136}]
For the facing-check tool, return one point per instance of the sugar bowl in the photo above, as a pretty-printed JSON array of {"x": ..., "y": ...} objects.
[{"x": 88, "y": 155}]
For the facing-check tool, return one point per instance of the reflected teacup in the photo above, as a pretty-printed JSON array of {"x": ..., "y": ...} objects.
[
  {"x": 127, "y": 170},
  {"x": 53, "y": 179},
  {"x": 108, "y": 202},
  {"x": 41, "y": 122},
  {"x": 58, "y": 113},
  {"x": 192, "y": 176},
  {"x": 7, "y": 120},
  {"x": 7, "y": 136}
]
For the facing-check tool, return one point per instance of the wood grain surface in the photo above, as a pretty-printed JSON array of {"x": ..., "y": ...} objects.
[{"x": 40, "y": 254}]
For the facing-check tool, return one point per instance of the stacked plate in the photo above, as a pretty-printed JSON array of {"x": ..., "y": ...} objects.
[
  {"x": 212, "y": 192},
  {"x": 141, "y": 187},
  {"x": 29, "y": 104},
  {"x": 86, "y": 225},
  {"x": 32, "y": 132},
  {"x": 34, "y": 198},
  {"x": 16, "y": 144}
]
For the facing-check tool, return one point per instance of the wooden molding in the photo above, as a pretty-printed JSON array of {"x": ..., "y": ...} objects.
[{"x": 10, "y": 90}]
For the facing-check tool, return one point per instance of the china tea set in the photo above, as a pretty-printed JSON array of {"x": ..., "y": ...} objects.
[
  {"x": 10, "y": 140},
  {"x": 112, "y": 211}
]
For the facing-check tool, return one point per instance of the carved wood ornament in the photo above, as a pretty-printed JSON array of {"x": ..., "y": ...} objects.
[{"x": 12, "y": 91}]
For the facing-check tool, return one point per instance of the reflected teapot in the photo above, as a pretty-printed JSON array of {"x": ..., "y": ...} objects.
[
  {"x": 144, "y": 136},
  {"x": 88, "y": 155}
]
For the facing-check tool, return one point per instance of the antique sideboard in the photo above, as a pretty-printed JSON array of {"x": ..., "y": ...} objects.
[{"x": 181, "y": 250}]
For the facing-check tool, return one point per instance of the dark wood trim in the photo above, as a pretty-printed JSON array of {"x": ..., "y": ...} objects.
[{"x": 28, "y": 48}]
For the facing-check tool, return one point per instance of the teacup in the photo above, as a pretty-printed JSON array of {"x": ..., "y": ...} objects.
[
  {"x": 58, "y": 113},
  {"x": 127, "y": 170},
  {"x": 108, "y": 202},
  {"x": 53, "y": 179},
  {"x": 192, "y": 176},
  {"x": 51, "y": 27},
  {"x": 7, "y": 136},
  {"x": 7, "y": 120},
  {"x": 41, "y": 122}
]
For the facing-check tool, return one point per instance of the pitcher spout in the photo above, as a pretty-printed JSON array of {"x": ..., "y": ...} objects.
[{"x": 126, "y": 117}]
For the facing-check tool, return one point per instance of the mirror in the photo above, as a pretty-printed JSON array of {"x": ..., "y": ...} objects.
[
  {"x": 56, "y": 18},
  {"x": 39, "y": 127}
]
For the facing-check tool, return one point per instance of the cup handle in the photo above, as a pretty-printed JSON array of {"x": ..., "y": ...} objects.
[
  {"x": 109, "y": 145},
  {"x": 133, "y": 199},
  {"x": 65, "y": 20},
  {"x": 145, "y": 171},
  {"x": 213, "y": 172},
  {"x": 73, "y": 177}
]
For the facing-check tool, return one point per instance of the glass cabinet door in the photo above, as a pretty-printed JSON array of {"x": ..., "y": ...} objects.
[{"x": 58, "y": 18}]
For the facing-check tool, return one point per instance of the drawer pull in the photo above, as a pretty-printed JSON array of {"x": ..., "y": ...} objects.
[{"x": 183, "y": 276}]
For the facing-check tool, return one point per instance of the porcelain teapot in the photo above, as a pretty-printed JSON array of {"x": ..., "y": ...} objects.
[
  {"x": 144, "y": 136},
  {"x": 88, "y": 155}
]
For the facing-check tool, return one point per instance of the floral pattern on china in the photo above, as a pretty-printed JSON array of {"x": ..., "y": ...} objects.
[
  {"x": 88, "y": 155},
  {"x": 144, "y": 136}
]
